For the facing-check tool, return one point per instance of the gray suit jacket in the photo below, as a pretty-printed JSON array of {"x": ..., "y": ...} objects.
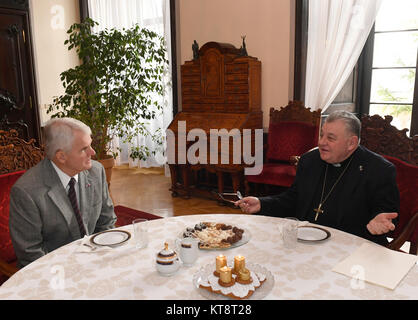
[{"x": 41, "y": 216}]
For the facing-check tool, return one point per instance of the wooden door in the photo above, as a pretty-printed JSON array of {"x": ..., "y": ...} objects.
[{"x": 18, "y": 102}]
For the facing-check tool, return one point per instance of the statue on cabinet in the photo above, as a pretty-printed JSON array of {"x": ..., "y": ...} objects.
[
  {"x": 195, "y": 48},
  {"x": 243, "y": 49}
]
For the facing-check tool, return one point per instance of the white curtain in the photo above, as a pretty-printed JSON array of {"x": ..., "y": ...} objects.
[
  {"x": 153, "y": 15},
  {"x": 337, "y": 32}
]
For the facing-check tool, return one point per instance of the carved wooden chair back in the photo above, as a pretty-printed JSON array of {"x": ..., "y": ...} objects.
[
  {"x": 17, "y": 154},
  {"x": 378, "y": 135},
  {"x": 295, "y": 111}
]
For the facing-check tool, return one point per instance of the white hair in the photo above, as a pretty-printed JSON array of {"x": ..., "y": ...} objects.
[
  {"x": 59, "y": 134},
  {"x": 352, "y": 123}
]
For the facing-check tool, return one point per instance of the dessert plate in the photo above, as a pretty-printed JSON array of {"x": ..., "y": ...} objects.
[
  {"x": 111, "y": 238},
  {"x": 312, "y": 234}
]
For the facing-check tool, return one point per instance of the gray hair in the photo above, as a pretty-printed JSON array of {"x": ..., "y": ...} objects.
[
  {"x": 352, "y": 123},
  {"x": 59, "y": 134}
]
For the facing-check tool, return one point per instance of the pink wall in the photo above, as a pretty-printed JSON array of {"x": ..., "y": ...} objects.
[{"x": 269, "y": 29}]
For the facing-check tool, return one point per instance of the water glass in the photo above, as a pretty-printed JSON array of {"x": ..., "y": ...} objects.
[
  {"x": 140, "y": 233},
  {"x": 289, "y": 230}
]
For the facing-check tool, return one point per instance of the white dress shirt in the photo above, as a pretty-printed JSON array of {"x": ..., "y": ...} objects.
[{"x": 65, "y": 180}]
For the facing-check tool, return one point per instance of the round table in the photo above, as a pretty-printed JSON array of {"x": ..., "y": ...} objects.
[{"x": 125, "y": 272}]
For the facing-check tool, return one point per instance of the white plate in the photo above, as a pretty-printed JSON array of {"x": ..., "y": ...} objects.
[
  {"x": 246, "y": 236},
  {"x": 312, "y": 234},
  {"x": 259, "y": 293},
  {"x": 110, "y": 238}
]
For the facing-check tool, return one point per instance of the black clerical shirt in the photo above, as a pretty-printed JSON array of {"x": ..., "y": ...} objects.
[{"x": 329, "y": 217}]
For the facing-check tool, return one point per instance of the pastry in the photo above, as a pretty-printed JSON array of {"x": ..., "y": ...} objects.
[{"x": 214, "y": 235}]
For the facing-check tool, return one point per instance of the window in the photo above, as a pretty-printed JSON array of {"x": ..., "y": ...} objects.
[
  {"x": 393, "y": 72},
  {"x": 384, "y": 80}
]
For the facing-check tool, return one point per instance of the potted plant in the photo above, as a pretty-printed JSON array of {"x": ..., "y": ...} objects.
[{"x": 114, "y": 88}]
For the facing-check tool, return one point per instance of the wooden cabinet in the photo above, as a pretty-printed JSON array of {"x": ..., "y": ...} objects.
[
  {"x": 18, "y": 101},
  {"x": 221, "y": 81},
  {"x": 220, "y": 90}
]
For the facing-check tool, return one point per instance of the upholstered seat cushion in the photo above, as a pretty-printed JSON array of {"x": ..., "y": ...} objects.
[
  {"x": 290, "y": 138},
  {"x": 279, "y": 174},
  {"x": 6, "y": 248}
]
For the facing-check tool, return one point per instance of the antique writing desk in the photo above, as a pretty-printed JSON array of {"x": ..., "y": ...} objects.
[{"x": 221, "y": 89}]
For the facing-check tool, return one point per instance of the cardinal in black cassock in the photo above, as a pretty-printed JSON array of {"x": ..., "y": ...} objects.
[{"x": 366, "y": 187}]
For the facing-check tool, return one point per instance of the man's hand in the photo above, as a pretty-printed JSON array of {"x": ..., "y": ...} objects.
[
  {"x": 382, "y": 223},
  {"x": 249, "y": 204}
]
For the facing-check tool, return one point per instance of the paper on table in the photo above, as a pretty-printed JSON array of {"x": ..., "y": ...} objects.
[{"x": 377, "y": 264}]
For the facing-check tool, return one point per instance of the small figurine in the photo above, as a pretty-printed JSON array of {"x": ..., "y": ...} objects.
[
  {"x": 243, "y": 49},
  {"x": 195, "y": 48}
]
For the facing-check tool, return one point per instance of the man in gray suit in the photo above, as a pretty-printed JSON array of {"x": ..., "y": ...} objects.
[{"x": 42, "y": 217}]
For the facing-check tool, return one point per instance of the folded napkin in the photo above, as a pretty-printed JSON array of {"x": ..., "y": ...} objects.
[
  {"x": 376, "y": 264},
  {"x": 87, "y": 247},
  {"x": 303, "y": 223}
]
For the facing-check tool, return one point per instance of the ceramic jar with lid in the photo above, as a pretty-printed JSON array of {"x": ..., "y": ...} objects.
[{"x": 167, "y": 261}]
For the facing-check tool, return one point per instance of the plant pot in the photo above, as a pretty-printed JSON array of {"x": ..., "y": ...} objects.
[{"x": 108, "y": 164}]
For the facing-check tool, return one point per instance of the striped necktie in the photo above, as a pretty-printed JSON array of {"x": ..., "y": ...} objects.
[{"x": 74, "y": 204}]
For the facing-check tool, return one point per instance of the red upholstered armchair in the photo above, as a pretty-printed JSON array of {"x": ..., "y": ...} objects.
[
  {"x": 293, "y": 130},
  {"x": 407, "y": 228},
  {"x": 7, "y": 255},
  {"x": 16, "y": 156},
  {"x": 378, "y": 135}
]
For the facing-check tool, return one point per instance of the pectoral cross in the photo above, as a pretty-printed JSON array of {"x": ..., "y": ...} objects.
[{"x": 318, "y": 211}]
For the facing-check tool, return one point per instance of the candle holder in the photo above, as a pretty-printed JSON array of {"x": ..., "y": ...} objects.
[
  {"x": 244, "y": 276},
  {"x": 223, "y": 284}
]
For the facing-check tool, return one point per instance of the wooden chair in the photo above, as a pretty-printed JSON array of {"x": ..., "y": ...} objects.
[
  {"x": 378, "y": 135},
  {"x": 293, "y": 130},
  {"x": 16, "y": 156},
  {"x": 381, "y": 137}
]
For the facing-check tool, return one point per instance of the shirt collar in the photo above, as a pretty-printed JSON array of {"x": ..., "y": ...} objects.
[{"x": 65, "y": 178}]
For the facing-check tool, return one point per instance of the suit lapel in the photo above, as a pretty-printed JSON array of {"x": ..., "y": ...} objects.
[
  {"x": 59, "y": 197},
  {"x": 86, "y": 196}
]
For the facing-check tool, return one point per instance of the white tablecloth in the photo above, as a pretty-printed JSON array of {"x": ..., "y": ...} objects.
[{"x": 129, "y": 273}]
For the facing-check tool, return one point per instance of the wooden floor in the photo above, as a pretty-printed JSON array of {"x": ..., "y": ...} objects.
[{"x": 148, "y": 190}]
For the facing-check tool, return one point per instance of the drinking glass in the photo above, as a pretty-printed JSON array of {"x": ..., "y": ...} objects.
[
  {"x": 140, "y": 232},
  {"x": 289, "y": 230}
]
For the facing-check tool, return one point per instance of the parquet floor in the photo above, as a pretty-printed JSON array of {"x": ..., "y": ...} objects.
[{"x": 148, "y": 190}]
